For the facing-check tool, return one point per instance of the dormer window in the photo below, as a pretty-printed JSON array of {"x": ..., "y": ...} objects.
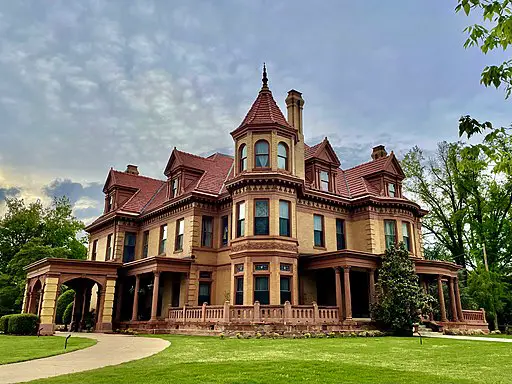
[
  {"x": 282, "y": 156},
  {"x": 242, "y": 153},
  {"x": 391, "y": 190},
  {"x": 174, "y": 187},
  {"x": 324, "y": 181},
  {"x": 261, "y": 150}
]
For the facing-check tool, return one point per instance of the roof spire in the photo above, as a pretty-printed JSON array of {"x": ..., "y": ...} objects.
[{"x": 265, "y": 78}]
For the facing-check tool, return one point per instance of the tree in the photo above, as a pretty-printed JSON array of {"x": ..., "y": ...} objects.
[
  {"x": 63, "y": 301},
  {"x": 433, "y": 181},
  {"x": 29, "y": 233},
  {"x": 400, "y": 300},
  {"x": 489, "y": 290},
  {"x": 497, "y": 34}
]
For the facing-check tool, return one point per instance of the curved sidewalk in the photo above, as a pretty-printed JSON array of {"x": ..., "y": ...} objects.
[
  {"x": 109, "y": 350},
  {"x": 471, "y": 338}
]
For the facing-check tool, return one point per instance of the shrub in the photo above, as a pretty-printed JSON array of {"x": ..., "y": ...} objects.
[
  {"x": 4, "y": 321},
  {"x": 62, "y": 303},
  {"x": 66, "y": 317},
  {"x": 23, "y": 324},
  {"x": 400, "y": 299}
]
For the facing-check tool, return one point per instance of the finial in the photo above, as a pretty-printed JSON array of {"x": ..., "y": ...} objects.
[{"x": 264, "y": 79}]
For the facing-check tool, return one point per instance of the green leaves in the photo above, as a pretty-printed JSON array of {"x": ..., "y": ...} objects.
[{"x": 498, "y": 16}]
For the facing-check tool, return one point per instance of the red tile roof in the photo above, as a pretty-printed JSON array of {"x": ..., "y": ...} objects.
[
  {"x": 356, "y": 176},
  {"x": 265, "y": 111}
]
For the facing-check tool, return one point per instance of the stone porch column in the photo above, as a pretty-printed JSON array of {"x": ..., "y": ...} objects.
[
  {"x": 339, "y": 300},
  {"x": 47, "y": 305},
  {"x": 346, "y": 291},
  {"x": 371, "y": 279},
  {"x": 154, "y": 301},
  {"x": 453, "y": 304},
  {"x": 457, "y": 299},
  {"x": 135, "y": 308},
  {"x": 441, "y": 298},
  {"x": 107, "y": 306}
]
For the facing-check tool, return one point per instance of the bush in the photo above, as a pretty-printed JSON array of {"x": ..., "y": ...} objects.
[
  {"x": 62, "y": 303},
  {"x": 23, "y": 324},
  {"x": 68, "y": 312},
  {"x": 400, "y": 300},
  {"x": 4, "y": 323}
]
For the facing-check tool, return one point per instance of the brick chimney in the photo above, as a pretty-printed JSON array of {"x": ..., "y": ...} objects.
[
  {"x": 378, "y": 152},
  {"x": 132, "y": 169},
  {"x": 294, "y": 106}
]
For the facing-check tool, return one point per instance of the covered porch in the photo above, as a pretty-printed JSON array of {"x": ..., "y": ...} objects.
[
  {"x": 89, "y": 279},
  {"x": 147, "y": 287}
]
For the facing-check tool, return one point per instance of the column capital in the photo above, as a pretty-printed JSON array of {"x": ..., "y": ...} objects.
[{"x": 346, "y": 268}]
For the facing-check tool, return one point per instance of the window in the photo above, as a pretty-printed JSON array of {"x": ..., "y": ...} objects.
[
  {"x": 94, "y": 249},
  {"x": 242, "y": 152},
  {"x": 406, "y": 236},
  {"x": 261, "y": 222},
  {"x": 340, "y": 234},
  {"x": 163, "y": 239},
  {"x": 391, "y": 190},
  {"x": 225, "y": 230},
  {"x": 239, "y": 268},
  {"x": 240, "y": 221},
  {"x": 205, "y": 275},
  {"x": 286, "y": 293},
  {"x": 175, "y": 187},
  {"x": 239, "y": 291},
  {"x": 261, "y": 267},
  {"x": 145, "y": 244},
  {"x": 108, "y": 253},
  {"x": 282, "y": 156},
  {"x": 390, "y": 233},
  {"x": 110, "y": 202},
  {"x": 180, "y": 230},
  {"x": 261, "y": 292},
  {"x": 261, "y": 154},
  {"x": 324, "y": 181},
  {"x": 318, "y": 222},
  {"x": 284, "y": 218},
  {"x": 204, "y": 293},
  {"x": 129, "y": 247},
  {"x": 285, "y": 267},
  {"x": 207, "y": 235}
]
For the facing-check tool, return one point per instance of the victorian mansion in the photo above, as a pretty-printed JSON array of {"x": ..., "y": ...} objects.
[{"x": 277, "y": 235}]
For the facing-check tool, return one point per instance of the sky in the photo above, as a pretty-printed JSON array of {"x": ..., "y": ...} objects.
[{"x": 86, "y": 85}]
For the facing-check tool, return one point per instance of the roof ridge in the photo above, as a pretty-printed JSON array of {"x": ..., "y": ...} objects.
[
  {"x": 130, "y": 199},
  {"x": 141, "y": 176},
  {"x": 227, "y": 175},
  {"x": 152, "y": 198}
]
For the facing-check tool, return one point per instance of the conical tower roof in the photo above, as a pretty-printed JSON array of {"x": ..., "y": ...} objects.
[{"x": 264, "y": 110}]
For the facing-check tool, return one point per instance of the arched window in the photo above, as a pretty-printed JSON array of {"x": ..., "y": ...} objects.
[
  {"x": 261, "y": 154},
  {"x": 282, "y": 156},
  {"x": 242, "y": 153}
]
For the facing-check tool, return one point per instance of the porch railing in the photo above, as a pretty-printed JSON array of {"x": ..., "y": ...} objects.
[
  {"x": 474, "y": 316},
  {"x": 250, "y": 314}
]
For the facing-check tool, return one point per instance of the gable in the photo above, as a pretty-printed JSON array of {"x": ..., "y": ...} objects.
[{"x": 393, "y": 166}]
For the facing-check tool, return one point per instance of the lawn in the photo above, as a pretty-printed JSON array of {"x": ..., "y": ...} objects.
[
  {"x": 192, "y": 359},
  {"x": 22, "y": 348}
]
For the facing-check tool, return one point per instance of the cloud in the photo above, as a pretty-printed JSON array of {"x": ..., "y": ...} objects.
[{"x": 8, "y": 192}]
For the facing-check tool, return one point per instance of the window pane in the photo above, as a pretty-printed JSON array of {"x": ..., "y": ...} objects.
[
  {"x": 164, "y": 232},
  {"x": 390, "y": 227},
  {"x": 261, "y": 208},
  {"x": 261, "y": 226},
  {"x": 284, "y": 209},
  {"x": 284, "y": 227},
  {"x": 405, "y": 229},
  {"x": 281, "y": 150},
  {"x": 243, "y": 151},
  {"x": 285, "y": 283},
  {"x": 261, "y": 148},
  {"x": 241, "y": 211},
  {"x": 281, "y": 163},
  {"x": 318, "y": 222},
  {"x": 318, "y": 239},
  {"x": 261, "y": 283},
  {"x": 262, "y": 161},
  {"x": 391, "y": 189},
  {"x": 181, "y": 227},
  {"x": 225, "y": 230}
]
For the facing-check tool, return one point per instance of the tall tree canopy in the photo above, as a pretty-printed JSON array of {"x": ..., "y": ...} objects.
[{"x": 29, "y": 233}]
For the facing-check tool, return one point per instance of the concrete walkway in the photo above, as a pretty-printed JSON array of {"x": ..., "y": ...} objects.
[
  {"x": 472, "y": 338},
  {"x": 109, "y": 350}
]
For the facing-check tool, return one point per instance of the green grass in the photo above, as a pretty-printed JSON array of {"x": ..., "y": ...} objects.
[
  {"x": 343, "y": 360},
  {"x": 21, "y": 348}
]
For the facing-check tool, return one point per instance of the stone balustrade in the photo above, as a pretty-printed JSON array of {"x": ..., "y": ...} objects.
[
  {"x": 254, "y": 314},
  {"x": 474, "y": 316}
]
